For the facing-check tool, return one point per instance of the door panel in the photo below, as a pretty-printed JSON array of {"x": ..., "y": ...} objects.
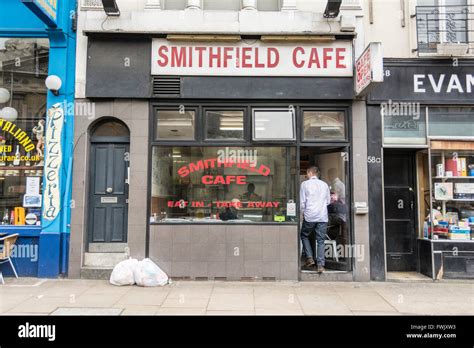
[
  {"x": 398, "y": 204},
  {"x": 118, "y": 172},
  {"x": 100, "y": 167},
  {"x": 400, "y": 210},
  {"x": 109, "y": 198},
  {"x": 98, "y": 225},
  {"x": 398, "y": 242},
  {"x": 118, "y": 223}
]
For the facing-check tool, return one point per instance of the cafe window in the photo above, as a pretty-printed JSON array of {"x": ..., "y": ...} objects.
[
  {"x": 224, "y": 124},
  {"x": 175, "y": 124},
  {"x": 23, "y": 70},
  {"x": 323, "y": 125},
  {"x": 223, "y": 184},
  {"x": 273, "y": 124}
]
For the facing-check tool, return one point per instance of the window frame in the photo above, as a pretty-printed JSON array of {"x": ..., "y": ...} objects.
[
  {"x": 245, "y": 138},
  {"x": 299, "y": 106},
  {"x": 256, "y": 146},
  {"x": 154, "y": 120},
  {"x": 321, "y": 141},
  {"x": 273, "y": 140}
]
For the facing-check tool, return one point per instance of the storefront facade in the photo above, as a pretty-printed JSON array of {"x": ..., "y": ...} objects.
[
  {"x": 422, "y": 128},
  {"x": 37, "y": 40},
  {"x": 210, "y": 131}
]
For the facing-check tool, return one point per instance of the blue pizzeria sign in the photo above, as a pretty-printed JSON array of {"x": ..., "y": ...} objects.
[{"x": 46, "y": 10}]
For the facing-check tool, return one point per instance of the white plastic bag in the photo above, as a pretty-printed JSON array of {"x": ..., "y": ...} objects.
[
  {"x": 147, "y": 273},
  {"x": 123, "y": 273}
]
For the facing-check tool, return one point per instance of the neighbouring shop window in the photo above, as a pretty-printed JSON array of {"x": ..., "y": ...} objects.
[
  {"x": 452, "y": 191},
  {"x": 451, "y": 121},
  {"x": 404, "y": 123},
  {"x": 274, "y": 125},
  {"x": 227, "y": 125},
  {"x": 175, "y": 124},
  {"x": 324, "y": 125},
  {"x": 23, "y": 70},
  {"x": 223, "y": 184}
]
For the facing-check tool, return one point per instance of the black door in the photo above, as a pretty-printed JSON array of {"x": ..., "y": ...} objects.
[
  {"x": 400, "y": 211},
  {"x": 108, "y": 193}
]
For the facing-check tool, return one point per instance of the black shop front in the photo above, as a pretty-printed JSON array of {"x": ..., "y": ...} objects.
[{"x": 421, "y": 126}]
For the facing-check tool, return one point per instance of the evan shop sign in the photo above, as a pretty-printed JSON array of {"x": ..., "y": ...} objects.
[
  {"x": 257, "y": 59},
  {"x": 434, "y": 83}
]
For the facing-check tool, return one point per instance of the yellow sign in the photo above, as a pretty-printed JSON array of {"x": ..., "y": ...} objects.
[
  {"x": 18, "y": 134},
  {"x": 49, "y": 6}
]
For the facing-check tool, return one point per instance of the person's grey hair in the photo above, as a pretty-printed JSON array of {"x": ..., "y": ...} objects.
[{"x": 313, "y": 170}]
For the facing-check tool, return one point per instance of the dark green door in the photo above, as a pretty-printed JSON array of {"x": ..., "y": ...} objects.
[{"x": 108, "y": 193}]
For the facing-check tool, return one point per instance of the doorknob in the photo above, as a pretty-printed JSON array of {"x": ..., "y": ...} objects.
[{"x": 109, "y": 190}]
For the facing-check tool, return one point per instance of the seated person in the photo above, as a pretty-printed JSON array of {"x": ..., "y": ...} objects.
[
  {"x": 337, "y": 212},
  {"x": 250, "y": 195},
  {"x": 230, "y": 212}
]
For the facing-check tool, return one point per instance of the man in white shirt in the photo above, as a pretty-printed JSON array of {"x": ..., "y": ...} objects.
[{"x": 314, "y": 199}]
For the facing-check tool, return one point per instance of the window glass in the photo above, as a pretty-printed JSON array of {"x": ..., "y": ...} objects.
[
  {"x": 404, "y": 123},
  {"x": 110, "y": 128},
  {"x": 441, "y": 21},
  {"x": 225, "y": 125},
  {"x": 273, "y": 125},
  {"x": 175, "y": 125},
  {"x": 216, "y": 184},
  {"x": 323, "y": 125},
  {"x": 23, "y": 70},
  {"x": 451, "y": 121},
  {"x": 452, "y": 191}
]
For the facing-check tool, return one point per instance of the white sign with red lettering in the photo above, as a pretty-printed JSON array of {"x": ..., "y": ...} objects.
[
  {"x": 369, "y": 68},
  {"x": 257, "y": 59}
]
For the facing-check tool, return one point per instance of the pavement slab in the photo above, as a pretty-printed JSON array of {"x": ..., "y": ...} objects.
[
  {"x": 96, "y": 297},
  {"x": 87, "y": 311}
]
